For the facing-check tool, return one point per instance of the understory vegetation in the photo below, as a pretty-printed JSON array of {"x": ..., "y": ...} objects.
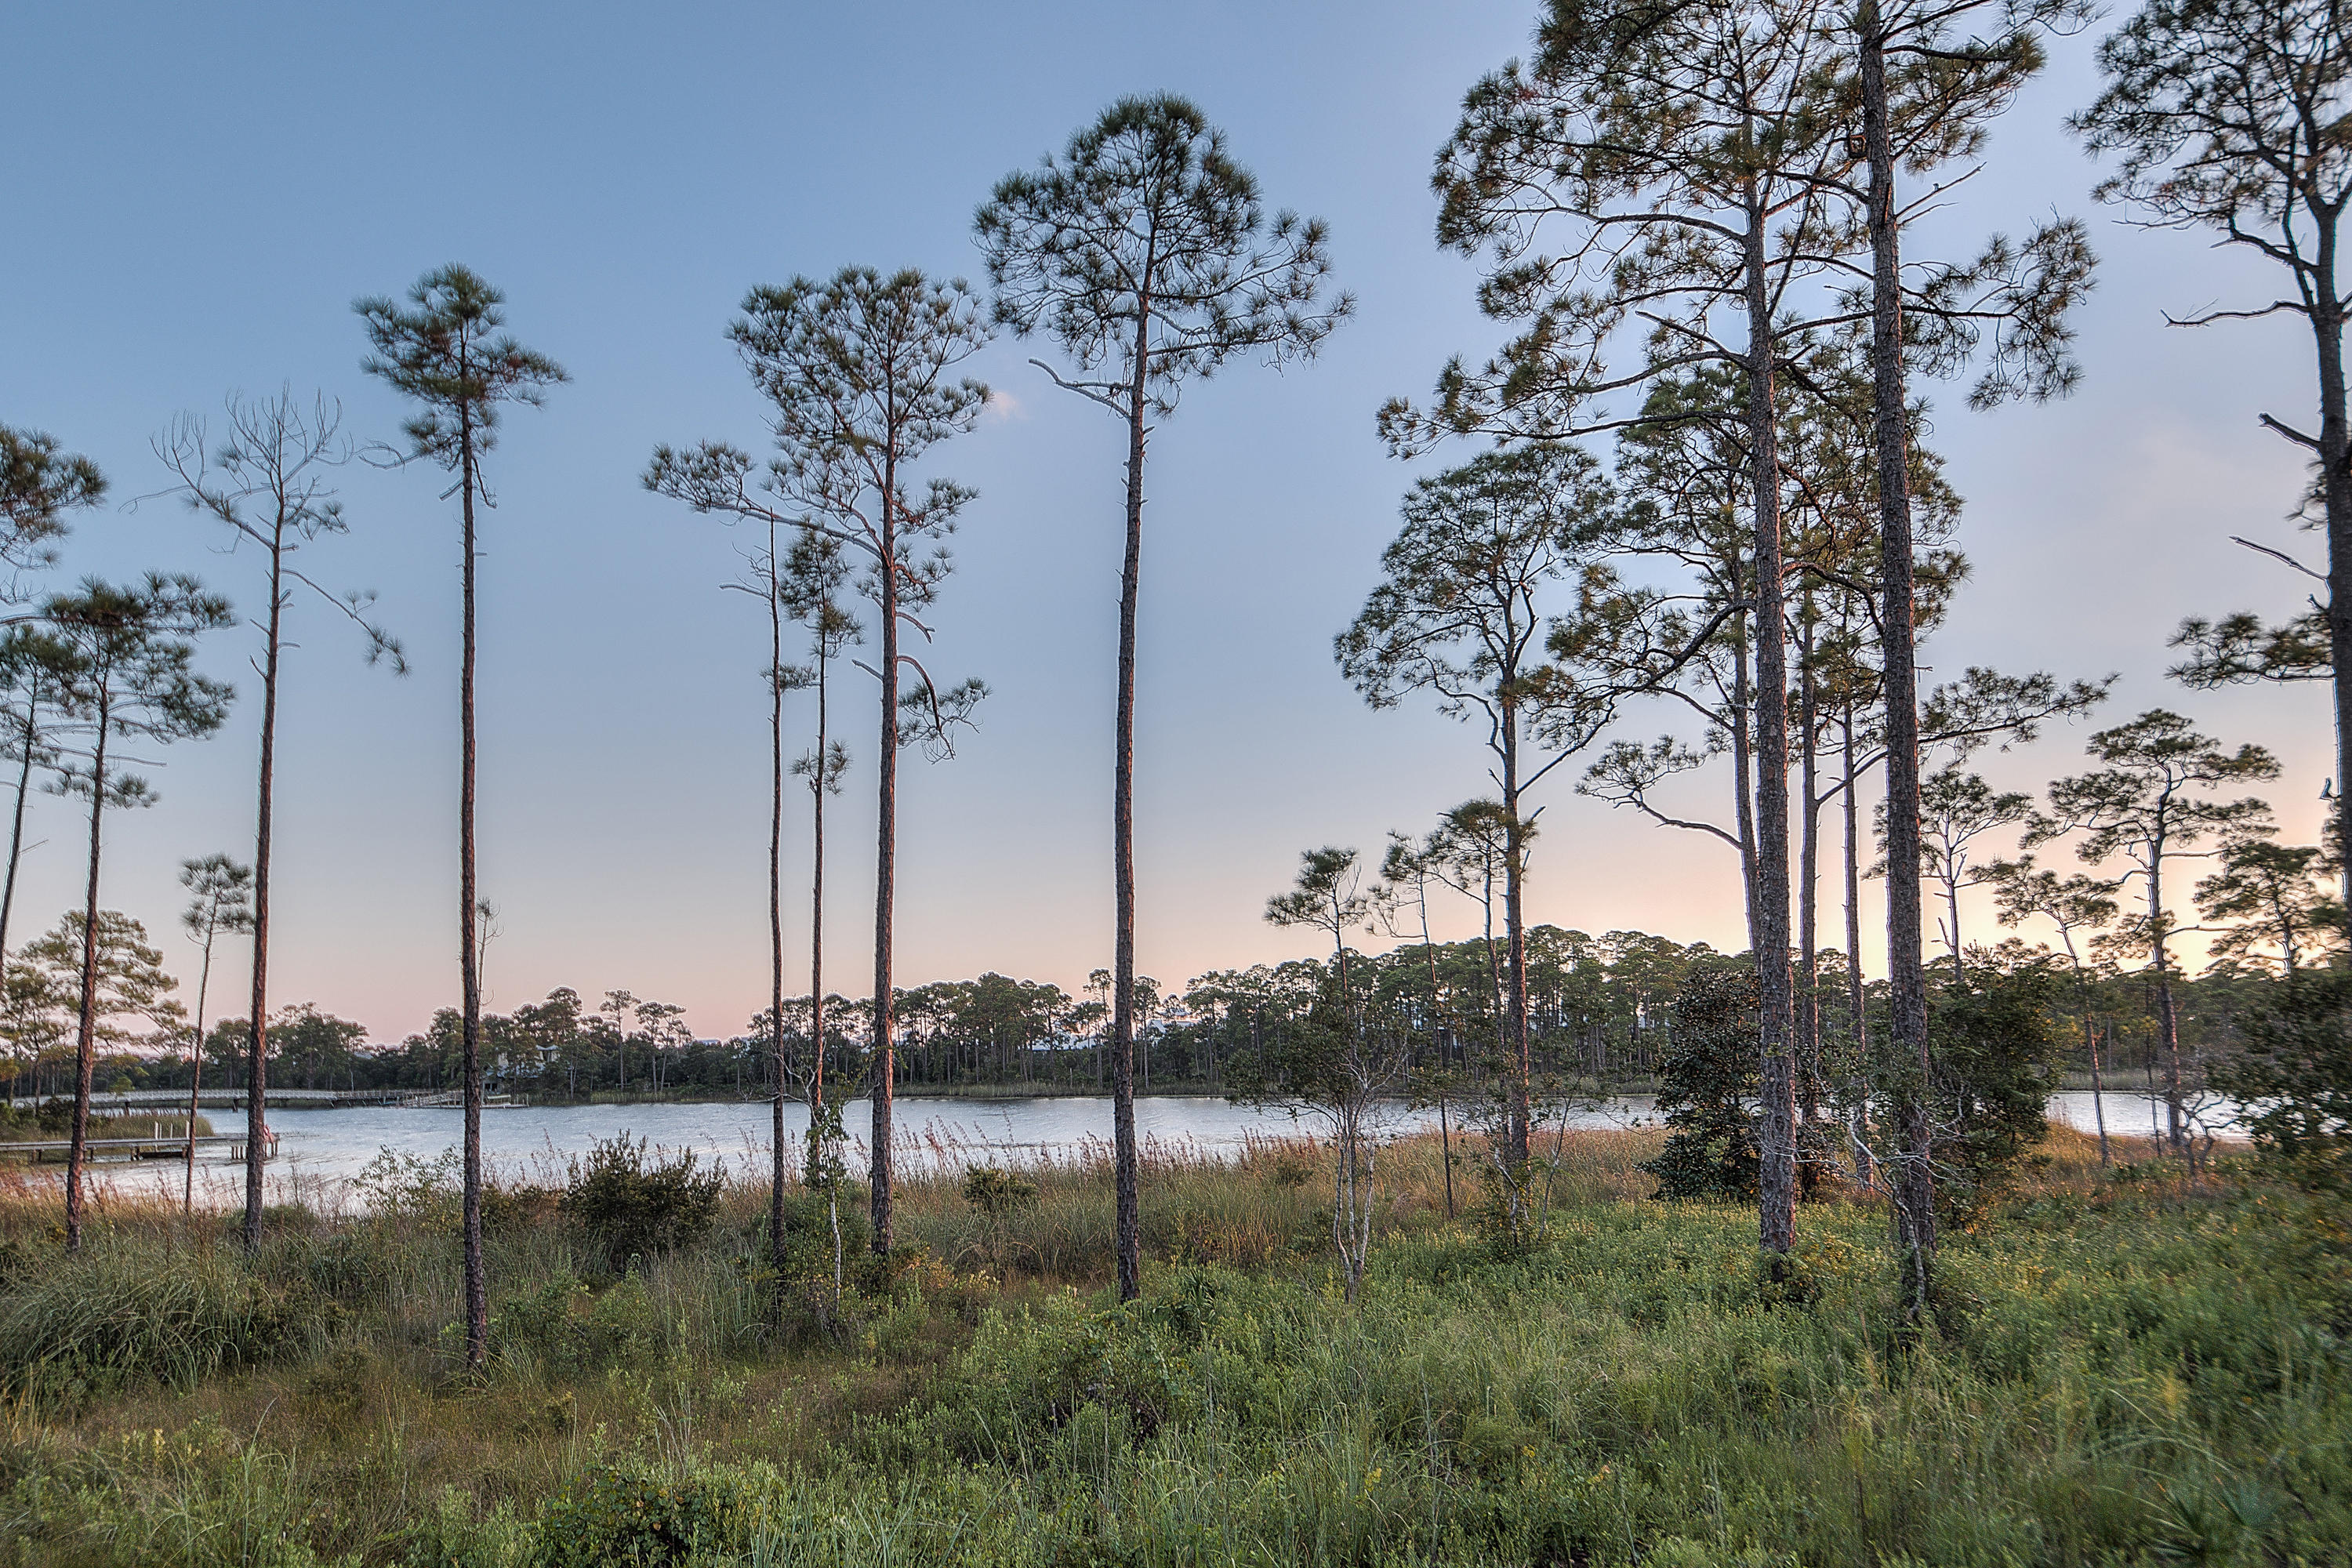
[{"x": 2132, "y": 1368}]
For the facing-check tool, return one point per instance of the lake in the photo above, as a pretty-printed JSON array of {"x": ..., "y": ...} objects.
[{"x": 321, "y": 1150}]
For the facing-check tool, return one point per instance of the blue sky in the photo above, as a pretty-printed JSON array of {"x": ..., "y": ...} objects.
[{"x": 202, "y": 193}]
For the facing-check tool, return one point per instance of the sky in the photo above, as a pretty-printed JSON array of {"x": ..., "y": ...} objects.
[{"x": 201, "y": 192}]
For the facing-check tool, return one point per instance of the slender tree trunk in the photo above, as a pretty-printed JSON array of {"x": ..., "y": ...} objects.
[
  {"x": 86, "y": 1028},
  {"x": 2098, "y": 1087},
  {"x": 1914, "y": 1178},
  {"x": 2167, "y": 1017},
  {"x": 1743, "y": 773},
  {"x": 1124, "y": 1154},
  {"x": 1856, "y": 1023},
  {"x": 1777, "y": 1141},
  {"x": 257, "y": 1072},
  {"x": 816, "y": 915},
  {"x": 2335, "y": 495},
  {"x": 469, "y": 952},
  {"x": 1437, "y": 1039},
  {"x": 1518, "y": 1060},
  {"x": 196, "y": 1073},
  {"x": 776, "y": 911},
  {"x": 818, "y": 1164},
  {"x": 16, "y": 827},
  {"x": 1952, "y": 909},
  {"x": 885, "y": 868},
  {"x": 1808, "y": 896}
]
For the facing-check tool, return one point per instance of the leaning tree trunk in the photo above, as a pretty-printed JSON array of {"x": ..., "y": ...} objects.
[
  {"x": 196, "y": 1065},
  {"x": 2098, "y": 1084},
  {"x": 1127, "y": 1171},
  {"x": 1912, "y": 1179},
  {"x": 85, "y": 1029},
  {"x": 257, "y": 1036},
  {"x": 16, "y": 827},
  {"x": 1777, "y": 1134}
]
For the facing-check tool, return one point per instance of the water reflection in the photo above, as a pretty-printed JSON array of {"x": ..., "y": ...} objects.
[{"x": 321, "y": 1150}]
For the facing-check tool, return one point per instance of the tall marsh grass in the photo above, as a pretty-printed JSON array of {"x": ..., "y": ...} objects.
[{"x": 2139, "y": 1369}]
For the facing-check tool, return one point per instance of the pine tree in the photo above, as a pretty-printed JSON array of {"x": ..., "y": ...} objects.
[
  {"x": 858, "y": 373},
  {"x": 445, "y": 351},
  {"x": 1145, "y": 254},
  {"x": 131, "y": 679}
]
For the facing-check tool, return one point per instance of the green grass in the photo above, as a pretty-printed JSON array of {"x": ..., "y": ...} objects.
[{"x": 2136, "y": 1371}]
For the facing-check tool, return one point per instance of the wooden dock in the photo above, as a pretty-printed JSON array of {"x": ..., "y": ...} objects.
[{"x": 169, "y": 1147}]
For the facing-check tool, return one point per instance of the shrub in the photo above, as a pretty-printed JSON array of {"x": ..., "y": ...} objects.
[
  {"x": 510, "y": 1211},
  {"x": 400, "y": 1186},
  {"x": 992, "y": 1191},
  {"x": 1996, "y": 1062},
  {"x": 1705, "y": 1080},
  {"x": 630, "y": 1207},
  {"x": 624, "y": 1514},
  {"x": 2298, "y": 1074}
]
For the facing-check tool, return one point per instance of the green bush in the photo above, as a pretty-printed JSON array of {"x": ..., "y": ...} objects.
[
  {"x": 630, "y": 1207},
  {"x": 2296, "y": 1073},
  {"x": 623, "y": 1512},
  {"x": 993, "y": 1190},
  {"x": 1705, "y": 1080}
]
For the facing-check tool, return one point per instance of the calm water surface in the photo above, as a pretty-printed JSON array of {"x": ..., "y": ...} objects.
[{"x": 321, "y": 1150}]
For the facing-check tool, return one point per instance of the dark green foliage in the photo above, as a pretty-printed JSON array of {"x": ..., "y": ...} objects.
[
  {"x": 632, "y": 1208},
  {"x": 992, "y": 1191},
  {"x": 1706, "y": 1080},
  {"x": 2297, "y": 1072},
  {"x": 809, "y": 1219},
  {"x": 38, "y": 485},
  {"x": 1995, "y": 1047},
  {"x": 447, "y": 353},
  {"x": 629, "y": 1512}
]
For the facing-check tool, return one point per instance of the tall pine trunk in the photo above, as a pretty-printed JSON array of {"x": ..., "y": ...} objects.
[
  {"x": 776, "y": 912},
  {"x": 1127, "y": 1173},
  {"x": 885, "y": 865},
  {"x": 257, "y": 1039},
  {"x": 817, "y": 1163},
  {"x": 1857, "y": 1023},
  {"x": 1776, "y": 1132},
  {"x": 2167, "y": 1015},
  {"x": 1809, "y": 889},
  {"x": 86, "y": 1028},
  {"x": 1518, "y": 1062},
  {"x": 2335, "y": 502},
  {"x": 1912, "y": 1179},
  {"x": 470, "y": 951}
]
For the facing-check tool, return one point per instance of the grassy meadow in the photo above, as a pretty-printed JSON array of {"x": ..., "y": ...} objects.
[{"x": 2135, "y": 1370}]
